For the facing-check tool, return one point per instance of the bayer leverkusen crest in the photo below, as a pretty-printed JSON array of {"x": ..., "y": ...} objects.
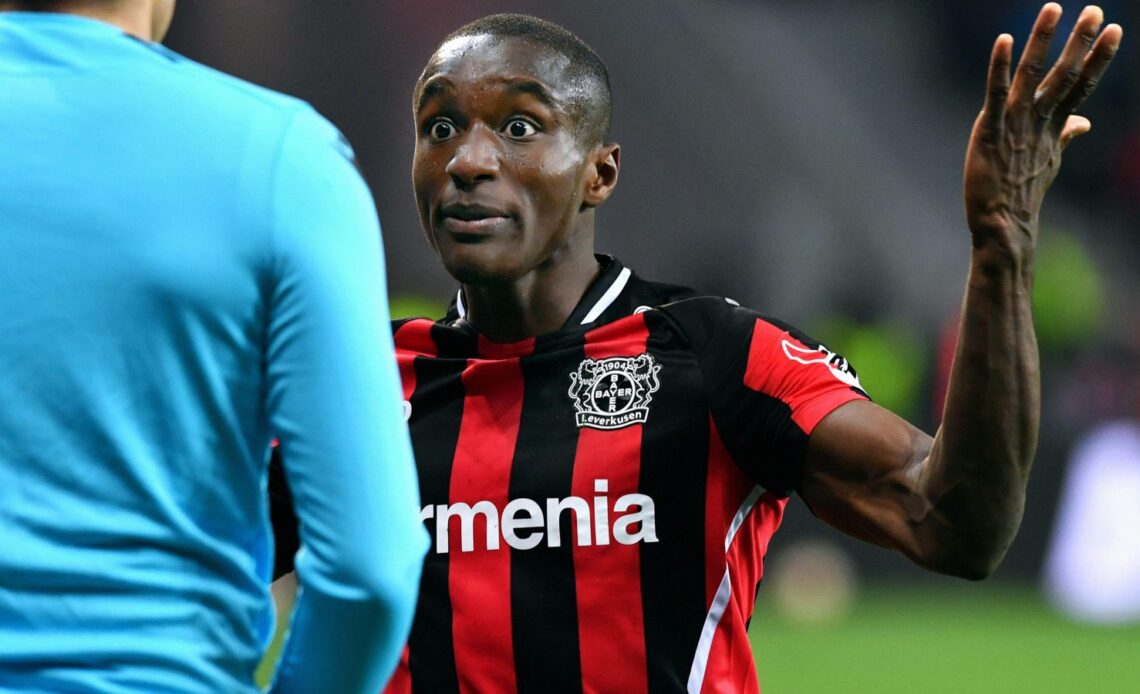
[{"x": 614, "y": 393}]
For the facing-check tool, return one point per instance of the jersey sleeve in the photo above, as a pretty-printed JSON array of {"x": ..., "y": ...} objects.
[
  {"x": 768, "y": 386},
  {"x": 335, "y": 407}
]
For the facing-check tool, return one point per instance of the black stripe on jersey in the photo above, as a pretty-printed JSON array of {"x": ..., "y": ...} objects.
[
  {"x": 454, "y": 342},
  {"x": 756, "y": 428},
  {"x": 544, "y": 612},
  {"x": 431, "y": 651},
  {"x": 674, "y": 466}
]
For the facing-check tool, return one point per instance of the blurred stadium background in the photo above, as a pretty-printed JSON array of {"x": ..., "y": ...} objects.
[{"x": 804, "y": 158}]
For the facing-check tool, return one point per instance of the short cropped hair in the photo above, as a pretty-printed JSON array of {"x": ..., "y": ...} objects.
[{"x": 592, "y": 107}]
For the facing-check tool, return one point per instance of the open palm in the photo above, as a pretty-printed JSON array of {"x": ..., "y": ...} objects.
[{"x": 1015, "y": 147}]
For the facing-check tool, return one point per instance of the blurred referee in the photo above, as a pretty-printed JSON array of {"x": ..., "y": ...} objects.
[{"x": 189, "y": 266}]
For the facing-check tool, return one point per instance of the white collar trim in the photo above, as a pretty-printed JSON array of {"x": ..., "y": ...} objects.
[
  {"x": 604, "y": 302},
  {"x": 609, "y": 297}
]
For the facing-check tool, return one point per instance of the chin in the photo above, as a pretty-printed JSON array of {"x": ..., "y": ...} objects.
[{"x": 484, "y": 272}]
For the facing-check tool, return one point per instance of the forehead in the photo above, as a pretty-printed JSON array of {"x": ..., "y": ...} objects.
[{"x": 474, "y": 62}]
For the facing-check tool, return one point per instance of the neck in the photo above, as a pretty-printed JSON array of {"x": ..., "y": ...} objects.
[
  {"x": 132, "y": 16},
  {"x": 537, "y": 303}
]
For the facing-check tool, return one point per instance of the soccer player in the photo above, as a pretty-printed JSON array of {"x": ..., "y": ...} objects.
[
  {"x": 603, "y": 459},
  {"x": 189, "y": 265}
]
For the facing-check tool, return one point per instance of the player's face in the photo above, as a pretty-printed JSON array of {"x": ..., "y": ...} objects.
[{"x": 498, "y": 172}]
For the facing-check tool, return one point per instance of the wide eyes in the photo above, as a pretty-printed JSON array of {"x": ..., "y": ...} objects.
[
  {"x": 516, "y": 129},
  {"x": 441, "y": 130}
]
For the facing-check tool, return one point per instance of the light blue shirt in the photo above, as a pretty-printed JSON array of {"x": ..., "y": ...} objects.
[{"x": 189, "y": 266}]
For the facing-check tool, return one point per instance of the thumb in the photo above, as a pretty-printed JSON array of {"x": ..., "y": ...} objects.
[{"x": 1074, "y": 127}]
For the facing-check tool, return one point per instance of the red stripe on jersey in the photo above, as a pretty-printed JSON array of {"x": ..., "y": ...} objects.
[
  {"x": 807, "y": 380},
  {"x": 414, "y": 339},
  {"x": 505, "y": 350},
  {"x": 726, "y": 489},
  {"x": 401, "y": 682},
  {"x": 479, "y": 577},
  {"x": 607, "y": 575},
  {"x": 731, "y": 667}
]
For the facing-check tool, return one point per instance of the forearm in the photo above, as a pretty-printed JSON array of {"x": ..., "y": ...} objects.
[
  {"x": 336, "y": 627},
  {"x": 978, "y": 467},
  {"x": 953, "y": 504}
]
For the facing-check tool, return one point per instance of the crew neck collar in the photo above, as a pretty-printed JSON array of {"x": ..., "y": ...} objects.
[{"x": 602, "y": 292}]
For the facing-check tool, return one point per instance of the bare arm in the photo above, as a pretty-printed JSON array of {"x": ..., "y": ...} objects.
[{"x": 953, "y": 503}]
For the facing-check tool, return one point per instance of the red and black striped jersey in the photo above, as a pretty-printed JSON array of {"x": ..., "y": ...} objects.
[{"x": 601, "y": 498}]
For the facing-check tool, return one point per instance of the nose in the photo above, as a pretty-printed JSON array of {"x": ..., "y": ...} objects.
[{"x": 475, "y": 159}]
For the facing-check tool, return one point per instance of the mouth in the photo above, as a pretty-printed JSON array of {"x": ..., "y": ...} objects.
[{"x": 473, "y": 220}]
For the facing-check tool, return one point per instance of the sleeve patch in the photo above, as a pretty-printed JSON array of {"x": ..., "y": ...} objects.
[{"x": 811, "y": 379}]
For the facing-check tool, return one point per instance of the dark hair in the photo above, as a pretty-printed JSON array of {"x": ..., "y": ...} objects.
[{"x": 592, "y": 109}]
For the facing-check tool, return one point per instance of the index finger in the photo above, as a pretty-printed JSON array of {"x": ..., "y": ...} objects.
[{"x": 997, "y": 86}]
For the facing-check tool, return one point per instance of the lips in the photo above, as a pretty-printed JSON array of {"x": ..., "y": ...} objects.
[{"x": 472, "y": 219}]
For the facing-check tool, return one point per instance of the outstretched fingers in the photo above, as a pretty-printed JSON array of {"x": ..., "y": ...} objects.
[
  {"x": 1066, "y": 72},
  {"x": 1031, "y": 67},
  {"x": 997, "y": 88},
  {"x": 1095, "y": 64}
]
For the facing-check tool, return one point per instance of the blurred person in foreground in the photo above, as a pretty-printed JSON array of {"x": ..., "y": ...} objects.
[
  {"x": 189, "y": 266},
  {"x": 604, "y": 459}
]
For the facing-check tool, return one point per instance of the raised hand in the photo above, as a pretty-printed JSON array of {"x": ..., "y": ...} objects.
[{"x": 1015, "y": 147}]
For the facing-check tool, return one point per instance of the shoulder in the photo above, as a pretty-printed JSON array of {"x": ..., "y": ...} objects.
[
  {"x": 229, "y": 89},
  {"x": 647, "y": 294},
  {"x": 720, "y": 328},
  {"x": 234, "y": 111},
  {"x": 707, "y": 318}
]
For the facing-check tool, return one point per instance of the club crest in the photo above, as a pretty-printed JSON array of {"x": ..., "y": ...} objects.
[{"x": 615, "y": 392}]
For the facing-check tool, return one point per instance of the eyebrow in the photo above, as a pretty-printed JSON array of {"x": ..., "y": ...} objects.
[
  {"x": 534, "y": 88},
  {"x": 437, "y": 85},
  {"x": 434, "y": 86}
]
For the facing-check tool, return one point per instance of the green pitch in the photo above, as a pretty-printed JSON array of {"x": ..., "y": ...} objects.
[
  {"x": 978, "y": 638},
  {"x": 974, "y": 639}
]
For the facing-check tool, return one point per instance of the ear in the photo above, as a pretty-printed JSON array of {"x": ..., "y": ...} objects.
[{"x": 602, "y": 177}]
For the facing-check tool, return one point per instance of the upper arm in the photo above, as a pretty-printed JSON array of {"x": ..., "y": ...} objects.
[
  {"x": 768, "y": 386},
  {"x": 793, "y": 416},
  {"x": 864, "y": 475}
]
